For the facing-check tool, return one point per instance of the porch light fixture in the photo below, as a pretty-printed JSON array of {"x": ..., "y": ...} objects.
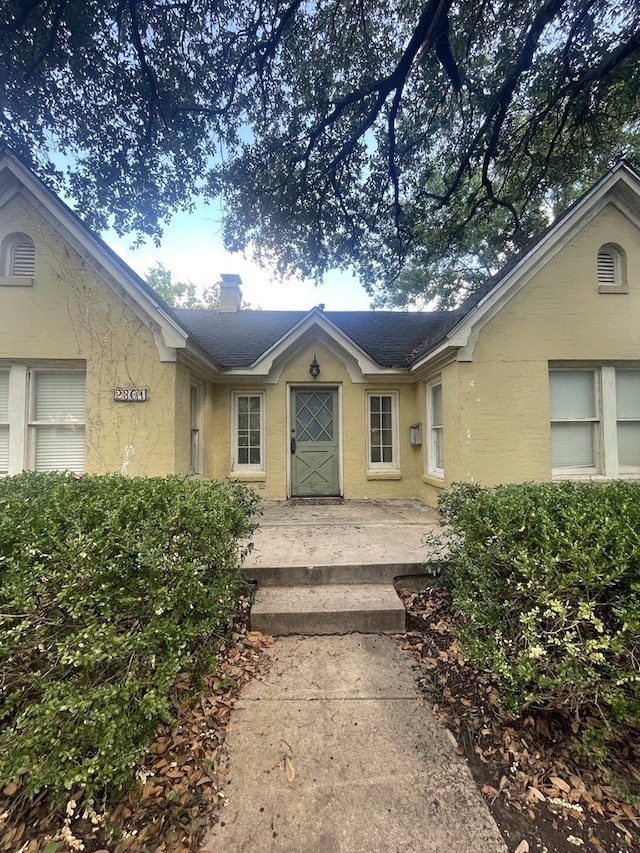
[{"x": 314, "y": 367}]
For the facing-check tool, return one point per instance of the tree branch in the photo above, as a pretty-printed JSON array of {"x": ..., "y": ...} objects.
[
  {"x": 382, "y": 87},
  {"x": 53, "y": 32},
  {"x": 146, "y": 69}
]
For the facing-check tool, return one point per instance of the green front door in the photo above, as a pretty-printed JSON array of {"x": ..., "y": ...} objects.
[{"x": 314, "y": 442}]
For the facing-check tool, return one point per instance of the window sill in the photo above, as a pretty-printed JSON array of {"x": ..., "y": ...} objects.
[
  {"x": 16, "y": 281},
  {"x": 600, "y": 478},
  {"x": 249, "y": 476},
  {"x": 433, "y": 480},
  {"x": 384, "y": 475},
  {"x": 613, "y": 288}
]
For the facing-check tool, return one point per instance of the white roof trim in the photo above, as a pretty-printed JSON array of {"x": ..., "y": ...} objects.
[
  {"x": 168, "y": 333},
  {"x": 607, "y": 191}
]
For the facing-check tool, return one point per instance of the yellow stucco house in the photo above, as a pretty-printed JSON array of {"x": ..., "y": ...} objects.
[{"x": 536, "y": 376}]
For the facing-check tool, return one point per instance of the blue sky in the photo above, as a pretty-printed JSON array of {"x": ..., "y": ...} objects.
[{"x": 192, "y": 250}]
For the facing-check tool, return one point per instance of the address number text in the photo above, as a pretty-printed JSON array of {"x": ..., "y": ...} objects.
[{"x": 129, "y": 395}]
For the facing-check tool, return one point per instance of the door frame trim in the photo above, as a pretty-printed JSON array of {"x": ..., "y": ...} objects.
[{"x": 307, "y": 386}]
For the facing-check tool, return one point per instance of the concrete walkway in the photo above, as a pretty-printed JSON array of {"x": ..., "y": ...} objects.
[{"x": 331, "y": 751}]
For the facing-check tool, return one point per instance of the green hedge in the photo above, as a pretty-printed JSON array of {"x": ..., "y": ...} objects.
[
  {"x": 548, "y": 577},
  {"x": 109, "y": 587}
]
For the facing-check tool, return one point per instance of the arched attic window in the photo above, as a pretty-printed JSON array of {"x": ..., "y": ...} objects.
[
  {"x": 612, "y": 269},
  {"x": 18, "y": 256}
]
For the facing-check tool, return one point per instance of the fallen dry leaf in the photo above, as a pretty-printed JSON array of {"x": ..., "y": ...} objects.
[
  {"x": 491, "y": 791},
  {"x": 560, "y": 783},
  {"x": 289, "y": 769},
  {"x": 523, "y": 847},
  {"x": 535, "y": 764}
]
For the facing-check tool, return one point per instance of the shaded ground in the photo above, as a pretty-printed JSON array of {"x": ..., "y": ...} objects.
[{"x": 543, "y": 793}]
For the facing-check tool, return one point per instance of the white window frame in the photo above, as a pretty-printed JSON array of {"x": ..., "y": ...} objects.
[
  {"x": 5, "y": 422},
  {"x": 605, "y": 422},
  {"x": 247, "y": 466},
  {"x": 595, "y": 421},
  {"x": 623, "y": 469},
  {"x": 34, "y": 424},
  {"x": 195, "y": 428},
  {"x": 433, "y": 429},
  {"x": 22, "y": 423},
  {"x": 394, "y": 464}
]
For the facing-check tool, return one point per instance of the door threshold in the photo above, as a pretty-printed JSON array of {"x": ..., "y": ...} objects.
[{"x": 315, "y": 501}]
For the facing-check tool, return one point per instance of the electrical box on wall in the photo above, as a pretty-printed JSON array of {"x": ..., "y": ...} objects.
[{"x": 415, "y": 434}]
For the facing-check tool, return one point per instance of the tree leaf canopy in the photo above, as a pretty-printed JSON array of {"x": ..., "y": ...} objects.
[{"x": 419, "y": 142}]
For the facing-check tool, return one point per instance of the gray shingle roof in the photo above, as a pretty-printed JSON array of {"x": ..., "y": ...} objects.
[{"x": 390, "y": 338}]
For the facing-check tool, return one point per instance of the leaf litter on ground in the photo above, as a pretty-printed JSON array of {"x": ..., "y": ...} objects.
[
  {"x": 541, "y": 788},
  {"x": 542, "y": 791}
]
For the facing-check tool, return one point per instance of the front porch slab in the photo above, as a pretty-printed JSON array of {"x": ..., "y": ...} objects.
[{"x": 356, "y": 532}]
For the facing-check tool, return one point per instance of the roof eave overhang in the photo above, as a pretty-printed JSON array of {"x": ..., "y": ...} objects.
[
  {"x": 437, "y": 358},
  {"x": 247, "y": 377},
  {"x": 197, "y": 359}
]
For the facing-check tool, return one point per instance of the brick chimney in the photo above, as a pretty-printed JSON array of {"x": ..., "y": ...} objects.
[{"x": 230, "y": 293}]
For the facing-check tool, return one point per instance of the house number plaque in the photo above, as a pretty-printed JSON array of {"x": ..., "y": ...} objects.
[{"x": 130, "y": 395}]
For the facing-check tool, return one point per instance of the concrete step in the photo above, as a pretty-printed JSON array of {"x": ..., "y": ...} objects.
[
  {"x": 328, "y": 609},
  {"x": 359, "y": 573}
]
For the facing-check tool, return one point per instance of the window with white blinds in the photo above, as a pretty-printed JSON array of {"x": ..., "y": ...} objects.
[
  {"x": 628, "y": 418},
  {"x": 58, "y": 405},
  {"x": 595, "y": 420},
  {"x": 4, "y": 421},
  {"x": 573, "y": 418},
  {"x": 42, "y": 419}
]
